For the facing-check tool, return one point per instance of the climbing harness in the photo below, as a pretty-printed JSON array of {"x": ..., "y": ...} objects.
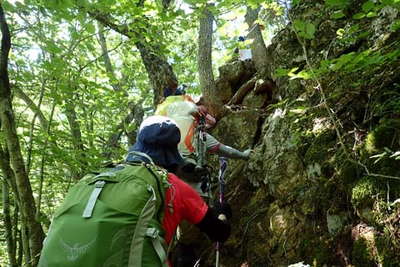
[
  {"x": 201, "y": 148},
  {"x": 223, "y": 163},
  {"x": 201, "y": 142}
]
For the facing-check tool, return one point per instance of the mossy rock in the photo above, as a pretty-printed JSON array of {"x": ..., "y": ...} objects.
[
  {"x": 237, "y": 72},
  {"x": 224, "y": 90},
  {"x": 255, "y": 101},
  {"x": 364, "y": 191},
  {"x": 237, "y": 129},
  {"x": 386, "y": 134},
  {"x": 383, "y": 139}
]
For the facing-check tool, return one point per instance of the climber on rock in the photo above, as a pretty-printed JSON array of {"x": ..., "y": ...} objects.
[
  {"x": 190, "y": 117},
  {"x": 182, "y": 108}
]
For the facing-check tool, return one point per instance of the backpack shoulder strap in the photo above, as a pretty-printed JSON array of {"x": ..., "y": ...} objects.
[{"x": 140, "y": 154}]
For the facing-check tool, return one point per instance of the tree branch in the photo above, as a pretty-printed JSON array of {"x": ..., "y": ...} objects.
[
  {"x": 35, "y": 109},
  {"x": 106, "y": 58}
]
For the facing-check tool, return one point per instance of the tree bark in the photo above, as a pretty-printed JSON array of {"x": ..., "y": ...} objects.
[
  {"x": 9, "y": 177},
  {"x": 204, "y": 61},
  {"x": 17, "y": 234},
  {"x": 36, "y": 234},
  {"x": 8, "y": 225},
  {"x": 8, "y": 173},
  {"x": 160, "y": 73},
  {"x": 243, "y": 91},
  {"x": 76, "y": 134},
  {"x": 260, "y": 57}
]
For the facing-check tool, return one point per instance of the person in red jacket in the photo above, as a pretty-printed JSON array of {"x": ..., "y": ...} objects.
[{"x": 158, "y": 138}]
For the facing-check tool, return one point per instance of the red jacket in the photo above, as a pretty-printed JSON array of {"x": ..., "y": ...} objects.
[{"x": 182, "y": 203}]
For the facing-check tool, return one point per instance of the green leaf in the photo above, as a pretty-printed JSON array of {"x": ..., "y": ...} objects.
[
  {"x": 304, "y": 29},
  {"x": 7, "y": 6},
  {"x": 53, "y": 48},
  {"x": 368, "y": 6},
  {"x": 281, "y": 72},
  {"x": 301, "y": 75},
  {"x": 372, "y": 14},
  {"x": 310, "y": 30},
  {"x": 342, "y": 61},
  {"x": 340, "y": 32},
  {"x": 90, "y": 28},
  {"x": 338, "y": 14},
  {"x": 396, "y": 25},
  {"x": 295, "y": 2},
  {"x": 337, "y": 3},
  {"x": 396, "y": 155},
  {"x": 299, "y": 110},
  {"x": 359, "y": 15}
]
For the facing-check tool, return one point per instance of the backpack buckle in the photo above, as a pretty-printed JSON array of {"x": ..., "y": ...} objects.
[
  {"x": 99, "y": 184},
  {"x": 152, "y": 232}
]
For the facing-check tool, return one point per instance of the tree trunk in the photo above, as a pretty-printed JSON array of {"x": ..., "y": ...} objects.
[
  {"x": 8, "y": 225},
  {"x": 9, "y": 177},
  {"x": 160, "y": 73},
  {"x": 77, "y": 141},
  {"x": 17, "y": 234},
  {"x": 204, "y": 61},
  {"x": 260, "y": 57},
  {"x": 8, "y": 173},
  {"x": 28, "y": 210}
]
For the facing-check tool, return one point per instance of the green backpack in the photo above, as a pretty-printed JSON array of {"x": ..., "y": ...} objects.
[{"x": 110, "y": 219}]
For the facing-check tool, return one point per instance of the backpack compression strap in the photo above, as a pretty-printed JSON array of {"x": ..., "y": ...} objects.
[
  {"x": 136, "y": 250},
  {"x": 98, "y": 186},
  {"x": 157, "y": 242}
]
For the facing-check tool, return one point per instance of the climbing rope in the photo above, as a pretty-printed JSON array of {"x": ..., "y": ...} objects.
[{"x": 223, "y": 163}]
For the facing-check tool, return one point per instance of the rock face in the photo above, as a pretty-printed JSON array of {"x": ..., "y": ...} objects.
[{"x": 322, "y": 183}]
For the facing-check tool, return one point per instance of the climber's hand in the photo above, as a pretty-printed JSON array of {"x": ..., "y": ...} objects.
[
  {"x": 223, "y": 210},
  {"x": 202, "y": 110}
]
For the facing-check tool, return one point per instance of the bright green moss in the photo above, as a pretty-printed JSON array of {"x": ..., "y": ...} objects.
[
  {"x": 363, "y": 192},
  {"x": 383, "y": 136}
]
